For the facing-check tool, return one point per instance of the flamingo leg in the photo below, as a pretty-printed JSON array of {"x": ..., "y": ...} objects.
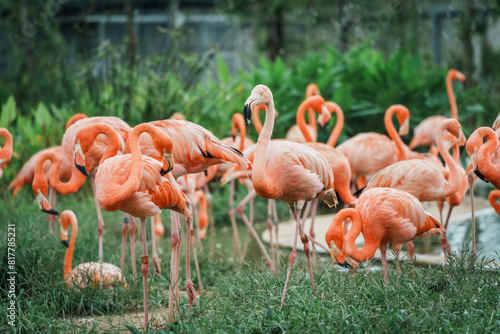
[
  {"x": 250, "y": 196},
  {"x": 234, "y": 227},
  {"x": 195, "y": 252},
  {"x": 470, "y": 177},
  {"x": 270, "y": 226},
  {"x": 145, "y": 271},
  {"x": 444, "y": 239},
  {"x": 239, "y": 209},
  {"x": 210, "y": 221},
  {"x": 312, "y": 235},
  {"x": 125, "y": 229},
  {"x": 131, "y": 230},
  {"x": 383, "y": 252},
  {"x": 397, "y": 250},
  {"x": 307, "y": 247},
  {"x": 189, "y": 283},
  {"x": 156, "y": 259},
  {"x": 173, "y": 291},
  {"x": 100, "y": 222},
  {"x": 276, "y": 223},
  {"x": 306, "y": 212},
  {"x": 291, "y": 259}
]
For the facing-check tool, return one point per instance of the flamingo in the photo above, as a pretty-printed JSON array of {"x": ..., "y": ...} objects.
[
  {"x": 88, "y": 273},
  {"x": 93, "y": 157},
  {"x": 422, "y": 178},
  {"x": 492, "y": 198},
  {"x": 27, "y": 174},
  {"x": 383, "y": 215},
  {"x": 142, "y": 186},
  {"x": 338, "y": 161},
  {"x": 424, "y": 134},
  {"x": 201, "y": 201},
  {"x": 294, "y": 133},
  {"x": 485, "y": 164},
  {"x": 277, "y": 163},
  {"x": 370, "y": 152},
  {"x": 6, "y": 150}
]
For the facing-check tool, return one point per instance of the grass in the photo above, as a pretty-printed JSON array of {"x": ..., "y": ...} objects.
[{"x": 239, "y": 296}]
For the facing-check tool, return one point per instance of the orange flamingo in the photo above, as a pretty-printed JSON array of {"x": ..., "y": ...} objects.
[
  {"x": 93, "y": 157},
  {"x": 493, "y": 199},
  {"x": 370, "y": 152},
  {"x": 142, "y": 186},
  {"x": 424, "y": 134},
  {"x": 201, "y": 201},
  {"x": 383, "y": 215},
  {"x": 95, "y": 274},
  {"x": 277, "y": 163},
  {"x": 295, "y": 134},
  {"x": 6, "y": 150},
  {"x": 27, "y": 174},
  {"x": 422, "y": 178}
]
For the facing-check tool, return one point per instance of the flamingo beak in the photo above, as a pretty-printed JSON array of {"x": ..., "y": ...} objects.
[
  {"x": 474, "y": 166},
  {"x": 79, "y": 159},
  {"x": 405, "y": 128},
  {"x": 63, "y": 235},
  {"x": 340, "y": 260},
  {"x": 234, "y": 138},
  {"x": 44, "y": 205},
  {"x": 168, "y": 161},
  {"x": 247, "y": 108}
]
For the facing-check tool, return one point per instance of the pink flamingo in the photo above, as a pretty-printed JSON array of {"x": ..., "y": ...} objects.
[
  {"x": 6, "y": 150},
  {"x": 370, "y": 152},
  {"x": 95, "y": 274},
  {"x": 142, "y": 186},
  {"x": 294, "y": 133},
  {"x": 424, "y": 134},
  {"x": 422, "y": 178},
  {"x": 278, "y": 163},
  {"x": 383, "y": 215}
]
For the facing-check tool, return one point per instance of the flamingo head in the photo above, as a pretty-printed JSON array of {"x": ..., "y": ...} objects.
[
  {"x": 79, "y": 157},
  {"x": 44, "y": 204},
  {"x": 324, "y": 118},
  {"x": 339, "y": 259},
  {"x": 260, "y": 95},
  {"x": 456, "y": 75},
  {"x": 168, "y": 162},
  {"x": 66, "y": 219},
  {"x": 496, "y": 123}
]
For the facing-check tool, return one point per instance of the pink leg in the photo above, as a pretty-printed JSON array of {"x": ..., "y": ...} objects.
[
  {"x": 125, "y": 229},
  {"x": 210, "y": 221},
  {"x": 397, "y": 250},
  {"x": 156, "y": 259},
  {"x": 145, "y": 270},
  {"x": 132, "y": 244},
  {"x": 383, "y": 252},
  {"x": 270, "y": 226},
  {"x": 173, "y": 291},
  {"x": 291, "y": 260},
  {"x": 307, "y": 247},
  {"x": 249, "y": 197},
  {"x": 100, "y": 222},
  {"x": 444, "y": 240},
  {"x": 276, "y": 223},
  {"x": 234, "y": 227},
  {"x": 410, "y": 247},
  {"x": 239, "y": 209},
  {"x": 471, "y": 177},
  {"x": 189, "y": 283},
  {"x": 51, "y": 218},
  {"x": 195, "y": 253}
]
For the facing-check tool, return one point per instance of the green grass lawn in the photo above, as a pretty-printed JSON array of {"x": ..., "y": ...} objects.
[{"x": 239, "y": 296}]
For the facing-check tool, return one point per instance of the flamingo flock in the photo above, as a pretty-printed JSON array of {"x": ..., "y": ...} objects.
[{"x": 167, "y": 164}]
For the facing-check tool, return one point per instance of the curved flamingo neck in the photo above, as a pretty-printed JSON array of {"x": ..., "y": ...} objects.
[
  {"x": 68, "y": 258},
  {"x": 239, "y": 123},
  {"x": 89, "y": 134},
  {"x": 335, "y": 232},
  {"x": 40, "y": 182},
  {"x": 393, "y": 134},
  {"x": 453, "y": 182},
  {"x": 259, "y": 164},
  {"x": 492, "y": 198},
  {"x": 451, "y": 94},
  {"x": 312, "y": 90},
  {"x": 339, "y": 124},
  {"x": 6, "y": 151},
  {"x": 485, "y": 152},
  {"x": 300, "y": 117},
  {"x": 256, "y": 119},
  {"x": 370, "y": 246}
]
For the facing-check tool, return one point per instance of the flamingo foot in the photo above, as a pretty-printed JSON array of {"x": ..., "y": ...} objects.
[
  {"x": 191, "y": 292},
  {"x": 157, "y": 265}
]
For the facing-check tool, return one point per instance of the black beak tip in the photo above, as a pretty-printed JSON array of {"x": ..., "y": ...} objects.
[
  {"x": 247, "y": 113},
  {"x": 234, "y": 138},
  {"x": 51, "y": 212},
  {"x": 65, "y": 243},
  {"x": 480, "y": 175},
  {"x": 345, "y": 265},
  {"x": 163, "y": 172},
  {"x": 462, "y": 148},
  {"x": 82, "y": 169}
]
